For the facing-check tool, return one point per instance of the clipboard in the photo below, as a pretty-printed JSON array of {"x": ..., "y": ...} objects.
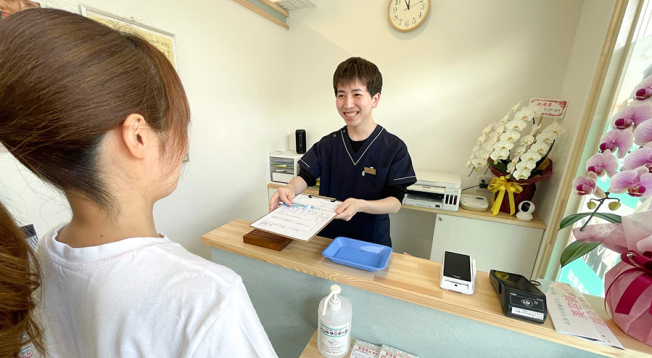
[{"x": 302, "y": 221}]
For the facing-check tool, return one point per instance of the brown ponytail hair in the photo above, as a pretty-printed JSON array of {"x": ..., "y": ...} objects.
[
  {"x": 65, "y": 81},
  {"x": 19, "y": 278}
]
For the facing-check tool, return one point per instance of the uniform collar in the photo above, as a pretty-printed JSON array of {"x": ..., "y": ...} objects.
[{"x": 368, "y": 148}]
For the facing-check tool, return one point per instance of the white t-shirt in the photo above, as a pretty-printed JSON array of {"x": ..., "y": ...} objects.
[{"x": 144, "y": 297}]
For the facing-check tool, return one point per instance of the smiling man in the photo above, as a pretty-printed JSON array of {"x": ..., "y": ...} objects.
[{"x": 361, "y": 164}]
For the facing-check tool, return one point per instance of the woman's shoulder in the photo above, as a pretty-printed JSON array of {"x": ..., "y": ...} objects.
[{"x": 193, "y": 267}]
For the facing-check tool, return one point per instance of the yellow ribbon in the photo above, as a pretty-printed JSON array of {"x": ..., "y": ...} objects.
[{"x": 500, "y": 186}]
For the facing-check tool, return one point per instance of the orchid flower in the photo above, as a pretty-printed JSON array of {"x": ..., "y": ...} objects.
[
  {"x": 547, "y": 137},
  {"x": 484, "y": 155},
  {"x": 540, "y": 147},
  {"x": 500, "y": 154},
  {"x": 526, "y": 165},
  {"x": 476, "y": 148},
  {"x": 510, "y": 136},
  {"x": 504, "y": 145},
  {"x": 641, "y": 157},
  {"x": 519, "y": 151},
  {"x": 481, "y": 139},
  {"x": 643, "y": 133},
  {"x": 499, "y": 129},
  {"x": 513, "y": 109},
  {"x": 469, "y": 163},
  {"x": 585, "y": 185},
  {"x": 527, "y": 140},
  {"x": 644, "y": 89},
  {"x": 488, "y": 146},
  {"x": 521, "y": 174},
  {"x": 505, "y": 119},
  {"x": 516, "y": 124},
  {"x": 511, "y": 167},
  {"x": 603, "y": 163},
  {"x": 487, "y": 129},
  {"x": 635, "y": 182},
  {"x": 617, "y": 139},
  {"x": 538, "y": 110},
  {"x": 554, "y": 127},
  {"x": 634, "y": 114},
  {"x": 478, "y": 162},
  {"x": 531, "y": 156}
]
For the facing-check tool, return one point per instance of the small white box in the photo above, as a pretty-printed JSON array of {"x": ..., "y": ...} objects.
[{"x": 283, "y": 166}]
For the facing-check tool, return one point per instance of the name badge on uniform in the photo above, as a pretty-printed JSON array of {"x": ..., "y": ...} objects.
[{"x": 371, "y": 170}]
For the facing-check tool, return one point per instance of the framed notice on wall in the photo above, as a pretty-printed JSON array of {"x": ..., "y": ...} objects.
[{"x": 164, "y": 41}]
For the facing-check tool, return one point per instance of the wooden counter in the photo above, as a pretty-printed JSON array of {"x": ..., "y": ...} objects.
[
  {"x": 479, "y": 215},
  {"x": 413, "y": 280}
]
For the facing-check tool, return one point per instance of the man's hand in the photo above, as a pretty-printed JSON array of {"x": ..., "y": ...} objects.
[
  {"x": 348, "y": 208},
  {"x": 283, "y": 194}
]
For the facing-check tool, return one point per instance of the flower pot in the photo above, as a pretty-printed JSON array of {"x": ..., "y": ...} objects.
[
  {"x": 637, "y": 322},
  {"x": 528, "y": 185},
  {"x": 526, "y": 194}
]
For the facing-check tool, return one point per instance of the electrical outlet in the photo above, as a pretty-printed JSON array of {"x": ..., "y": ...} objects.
[{"x": 480, "y": 178}]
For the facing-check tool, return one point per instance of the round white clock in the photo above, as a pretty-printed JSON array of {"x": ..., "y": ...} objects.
[{"x": 407, "y": 15}]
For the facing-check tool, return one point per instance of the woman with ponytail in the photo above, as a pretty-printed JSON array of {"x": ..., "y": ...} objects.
[{"x": 103, "y": 116}]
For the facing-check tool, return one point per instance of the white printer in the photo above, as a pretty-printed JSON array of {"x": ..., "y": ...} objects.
[{"x": 435, "y": 191}]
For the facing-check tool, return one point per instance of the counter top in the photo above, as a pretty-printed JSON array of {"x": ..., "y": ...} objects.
[
  {"x": 503, "y": 218},
  {"x": 413, "y": 280}
]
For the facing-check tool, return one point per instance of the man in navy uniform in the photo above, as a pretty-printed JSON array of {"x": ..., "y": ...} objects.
[{"x": 361, "y": 164}]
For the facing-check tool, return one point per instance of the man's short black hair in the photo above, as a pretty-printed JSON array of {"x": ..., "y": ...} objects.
[{"x": 358, "y": 68}]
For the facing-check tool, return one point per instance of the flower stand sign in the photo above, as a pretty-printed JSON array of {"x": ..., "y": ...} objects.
[
  {"x": 628, "y": 285},
  {"x": 518, "y": 161}
]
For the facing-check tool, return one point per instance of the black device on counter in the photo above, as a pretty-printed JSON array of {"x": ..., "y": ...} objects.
[
  {"x": 519, "y": 298},
  {"x": 300, "y": 136}
]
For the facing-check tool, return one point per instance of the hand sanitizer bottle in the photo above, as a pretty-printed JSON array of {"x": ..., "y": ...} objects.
[{"x": 334, "y": 316}]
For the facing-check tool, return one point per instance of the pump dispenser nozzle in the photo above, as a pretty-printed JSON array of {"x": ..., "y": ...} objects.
[{"x": 332, "y": 300}]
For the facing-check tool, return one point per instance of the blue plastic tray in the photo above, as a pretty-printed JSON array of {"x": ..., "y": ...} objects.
[{"x": 360, "y": 254}]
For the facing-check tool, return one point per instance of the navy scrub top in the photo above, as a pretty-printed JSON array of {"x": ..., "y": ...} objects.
[{"x": 343, "y": 176}]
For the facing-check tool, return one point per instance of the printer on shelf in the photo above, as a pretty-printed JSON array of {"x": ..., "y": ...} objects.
[{"x": 435, "y": 191}]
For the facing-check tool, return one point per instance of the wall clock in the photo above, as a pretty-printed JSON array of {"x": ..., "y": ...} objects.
[{"x": 407, "y": 15}]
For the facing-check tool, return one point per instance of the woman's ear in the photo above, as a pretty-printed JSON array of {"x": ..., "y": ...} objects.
[{"x": 135, "y": 134}]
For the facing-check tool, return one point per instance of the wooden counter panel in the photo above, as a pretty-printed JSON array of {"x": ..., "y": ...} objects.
[
  {"x": 536, "y": 223},
  {"x": 413, "y": 280}
]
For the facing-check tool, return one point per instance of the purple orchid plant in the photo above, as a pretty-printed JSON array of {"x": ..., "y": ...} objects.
[{"x": 630, "y": 125}]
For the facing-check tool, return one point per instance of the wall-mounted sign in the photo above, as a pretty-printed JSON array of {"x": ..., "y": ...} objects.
[{"x": 552, "y": 107}]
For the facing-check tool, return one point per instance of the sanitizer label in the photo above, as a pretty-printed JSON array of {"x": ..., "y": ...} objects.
[{"x": 334, "y": 339}]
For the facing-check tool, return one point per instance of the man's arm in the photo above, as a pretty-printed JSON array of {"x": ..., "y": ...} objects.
[
  {"x": 351, "y": 206},
  {"x": 287, "y": 193}
]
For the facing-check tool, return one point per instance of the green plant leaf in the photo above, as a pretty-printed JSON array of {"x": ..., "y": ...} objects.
[
  {"x": 610, "y": 217},
  {"x": 576, "y": 250},
  {"x": 571, "y": 219}
]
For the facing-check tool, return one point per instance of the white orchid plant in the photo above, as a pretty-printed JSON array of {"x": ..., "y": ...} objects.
[{"x": 503, "y": 147}]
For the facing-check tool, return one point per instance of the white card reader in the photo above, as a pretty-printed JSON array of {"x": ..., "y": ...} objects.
[{"x": 457, "y": 273}]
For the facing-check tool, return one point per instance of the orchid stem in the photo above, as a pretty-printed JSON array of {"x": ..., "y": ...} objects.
[
  {"x": 596, "y": 209},
  {"x": 471, "y": 171}
]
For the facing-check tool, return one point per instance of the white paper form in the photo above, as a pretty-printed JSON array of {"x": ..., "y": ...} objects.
[
  {"x": 302, "y": 221},
  {"x": 572, "y": 314}
]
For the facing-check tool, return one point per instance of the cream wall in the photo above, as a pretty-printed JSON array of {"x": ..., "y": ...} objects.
[
  {"x": 462, "y": 69},
  {"x": 232, "y": 64}
]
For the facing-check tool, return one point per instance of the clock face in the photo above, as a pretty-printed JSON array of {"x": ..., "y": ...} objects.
[{"x": 407, "y": 15}]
